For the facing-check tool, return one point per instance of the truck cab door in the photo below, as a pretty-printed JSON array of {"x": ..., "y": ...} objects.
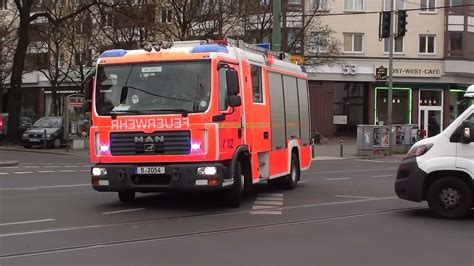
[
  {"x": 465, "y": 149},
  {"x": 230, "y": 112}
]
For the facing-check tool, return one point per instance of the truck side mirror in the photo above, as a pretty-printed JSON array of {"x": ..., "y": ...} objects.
[
  {"x": 235, "y": 101},
  {"x": 87, "y": 85},
  {"x": 466, "y": 132},
  {"x": 232, "y": 82}
]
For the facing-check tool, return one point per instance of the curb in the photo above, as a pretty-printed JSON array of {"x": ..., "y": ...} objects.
[
  {"x": 332, "y": 158},
  {"x": 44, "y": 152},
  {"x": 8, "y": 163}
]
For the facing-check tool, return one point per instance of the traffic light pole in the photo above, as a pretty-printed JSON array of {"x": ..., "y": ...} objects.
[
  {"x": 276, "y": 32},
  {"x": 390, "y": 78}
]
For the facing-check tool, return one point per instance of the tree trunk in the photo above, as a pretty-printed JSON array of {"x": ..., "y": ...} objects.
[
  {"x": 14, "y": 93},
  {"x": 54, "y": 99}
]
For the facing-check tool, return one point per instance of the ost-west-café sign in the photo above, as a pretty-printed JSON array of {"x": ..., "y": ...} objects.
[{"x": 415, "y": 70}]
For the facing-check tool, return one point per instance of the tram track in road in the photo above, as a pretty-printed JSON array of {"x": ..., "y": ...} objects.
[{"x": 202, "y": 233}]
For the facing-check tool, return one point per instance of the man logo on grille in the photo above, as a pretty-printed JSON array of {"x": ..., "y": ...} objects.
[
  {"x": 150, "y": 139},
  {"x": 150, "y": 147}
]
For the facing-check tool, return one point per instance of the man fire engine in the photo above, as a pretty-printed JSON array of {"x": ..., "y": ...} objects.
[{"x": 197, "y": 116}]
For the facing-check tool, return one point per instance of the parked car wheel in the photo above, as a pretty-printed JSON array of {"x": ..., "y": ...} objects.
[{"x": 57, "y": 143}]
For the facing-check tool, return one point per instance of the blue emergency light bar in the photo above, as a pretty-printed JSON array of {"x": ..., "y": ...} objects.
[
  {"x": 113, "y": 53},
  {"x": 210, "y": 48}
]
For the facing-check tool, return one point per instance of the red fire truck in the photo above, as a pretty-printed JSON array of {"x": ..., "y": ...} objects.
[{"x": 197, "y": 115}]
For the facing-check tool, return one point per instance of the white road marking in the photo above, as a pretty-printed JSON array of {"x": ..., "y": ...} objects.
[
  {"x": 273, "y": 203},
  {"x": 88, "y": 170},
  {"x": 271, "y": 194},
  {"x": 354, "y": 170},
  {"x": 46, "y": 163},
  {"x": 338, "y": 178},
  {"x": 31, "y": 166},
  {"x": 122, "y": 211},
  {"x": 355, "y": 197},
  {"x": 44, "y": 187},
  {"x": 269, "y": 198},
  {"x": 382, "y": 176},
  {"x": 71, "y": 166},
  {"x": 3, "y": 173},
  {"x": 47, "y": 171},
  {"x": 52, "y": 166},
  {"x": 375, "y": 161},
  {"x": 28, "y": 222},
  {"x": 302, "y": 181},
  {"x": 22, "y": 173},
  {"x": 267, "y": 212},
  {"x": 74, "y": 228},
  {"x": 260, "y": 207},
  {"x": 67, "y": 171}
]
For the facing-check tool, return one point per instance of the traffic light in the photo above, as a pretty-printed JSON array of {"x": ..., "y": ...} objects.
[
  {"x": 402, "y": 23},
  {"x": 385, "y": 24}
]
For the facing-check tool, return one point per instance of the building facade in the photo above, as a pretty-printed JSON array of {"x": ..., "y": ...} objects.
[{"x": 433, "y": 65}]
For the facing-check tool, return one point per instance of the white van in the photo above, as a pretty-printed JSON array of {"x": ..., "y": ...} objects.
[{"x": 440, "y": 169}]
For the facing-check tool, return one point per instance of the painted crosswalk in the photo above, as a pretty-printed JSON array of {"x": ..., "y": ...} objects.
[{"x": 268, "y": 204}]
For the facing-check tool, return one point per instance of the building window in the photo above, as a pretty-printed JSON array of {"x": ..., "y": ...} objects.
[
  {"x": 257, "y": 84},
  {"x": 353, "y": 5},
  {"x": 428, "y": 5},
  {"x": 321, "y": 5},
  {"x": 353, "y": 42},
  {"x": 397, "y": 5},
  {"x": 3, "y": 4},
  {"x": 456, "y": 7},
  {"x": 455, "y": 42},
  {"x": 318, "y": 43},
  {"x": 294, "y": 40},
  {"x": 294, "y": 2},
  {"x": 166, "y": 15},
  {"x": 401, "y": 104},
  {"x": 427, "y": 44},
  {"x": 397, "y": 48}
]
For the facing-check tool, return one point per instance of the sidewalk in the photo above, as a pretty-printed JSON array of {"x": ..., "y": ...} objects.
[
  {"x": 62, "y": 151},
  {"x": 332, "y": 150}
]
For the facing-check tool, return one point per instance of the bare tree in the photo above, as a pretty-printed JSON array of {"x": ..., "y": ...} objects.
[
  {"x": 25, "y": 20},
  {"x": 7, "y": 44}
]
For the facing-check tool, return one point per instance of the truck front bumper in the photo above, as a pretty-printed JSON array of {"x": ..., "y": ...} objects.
[{"x": 124, "y": 177}]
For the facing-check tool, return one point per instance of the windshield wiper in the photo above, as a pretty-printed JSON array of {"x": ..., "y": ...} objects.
[
  {"x": 181, "y": 111},
  {"x": 114, "y": 114}
]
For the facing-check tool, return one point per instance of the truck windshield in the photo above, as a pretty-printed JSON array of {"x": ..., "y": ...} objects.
[{"x": 169, "y": 87}]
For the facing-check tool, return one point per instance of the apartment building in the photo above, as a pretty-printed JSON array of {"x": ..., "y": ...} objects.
[
  {"x": 129, "y": 25},
  {"x": 433, "y": 65}
]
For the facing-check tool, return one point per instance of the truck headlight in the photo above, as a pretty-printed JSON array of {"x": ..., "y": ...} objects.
[
  {"x": 97, "y": 171},
  {"x": 25, "y": 135},
  {"x": 207, "y": 170}
]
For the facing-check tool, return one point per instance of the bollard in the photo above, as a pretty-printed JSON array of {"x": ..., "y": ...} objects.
[
  {"x": 44, "y": 139},
  {"x": 342, "y": 147}
]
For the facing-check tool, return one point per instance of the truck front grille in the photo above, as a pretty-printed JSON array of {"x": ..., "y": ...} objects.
[{"x": 157, "y": 143}]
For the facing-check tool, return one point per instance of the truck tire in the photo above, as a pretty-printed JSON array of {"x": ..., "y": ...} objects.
[
  {"x": 126, "y": 196},
  {"x": 290, "y": 181},
  {"x": 449, "y": 198},
  {"x": 233, "y": 196}
]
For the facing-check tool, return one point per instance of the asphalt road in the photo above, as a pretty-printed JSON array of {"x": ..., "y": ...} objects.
[{"x": 344, "y": 212}]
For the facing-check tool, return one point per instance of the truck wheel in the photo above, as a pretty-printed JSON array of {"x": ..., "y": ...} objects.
[
  {"x": 291, "y": 180},
  {"x": 57, "y": 143},
  {"x": 449, "y": 198},
  {"x": 126, "y": 196},
  {"x": 234, "y": 195}
]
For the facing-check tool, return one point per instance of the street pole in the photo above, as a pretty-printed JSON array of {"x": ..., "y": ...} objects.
[
  {"x": 276, "y": 32},
  {"x": 390, "y": 77}
]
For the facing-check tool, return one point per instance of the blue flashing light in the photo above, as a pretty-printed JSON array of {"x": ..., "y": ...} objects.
[
  {"x": 210, "y": 48},
  {"x": 113, "y": 53},
  {"x": 264, "y": 45}
]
